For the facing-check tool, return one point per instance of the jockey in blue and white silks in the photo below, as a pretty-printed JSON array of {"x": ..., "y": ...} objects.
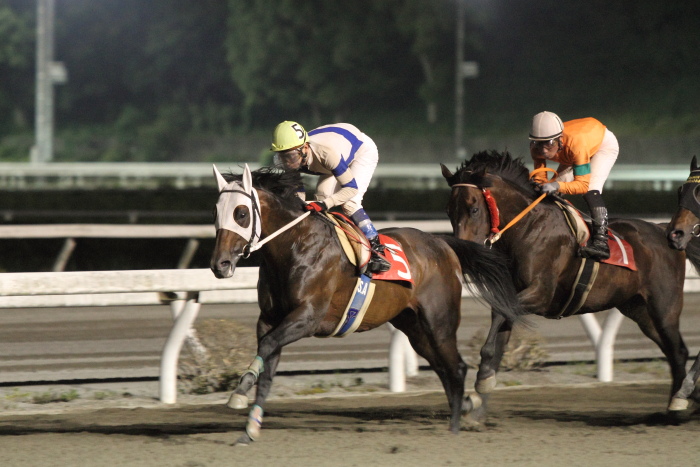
[{"x": 344, "y": 158}]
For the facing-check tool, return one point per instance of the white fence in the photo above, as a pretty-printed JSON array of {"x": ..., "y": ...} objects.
[{"x": 186, "y": 289}]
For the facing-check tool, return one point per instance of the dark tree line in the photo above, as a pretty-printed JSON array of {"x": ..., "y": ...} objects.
[{"x": 157, "y": 70}]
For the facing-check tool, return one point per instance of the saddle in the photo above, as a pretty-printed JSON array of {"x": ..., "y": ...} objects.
[
  {"x": 621, "y": 254},
  {"x": 356, "y": 249}
]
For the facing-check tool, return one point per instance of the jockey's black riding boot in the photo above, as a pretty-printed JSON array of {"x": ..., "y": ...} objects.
[
  {"x": 377, "y": 263},
  {"x": 597, "y": 247}
]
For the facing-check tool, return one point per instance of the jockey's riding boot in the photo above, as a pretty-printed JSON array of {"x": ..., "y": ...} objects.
[
  {"x": 377, "y": 263},
  {"x": 597, "y": 247}
]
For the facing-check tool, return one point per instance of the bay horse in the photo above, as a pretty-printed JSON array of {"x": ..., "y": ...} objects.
[
  {"x": 545, "y": 263},
  {"x": 306, "y": 283},
  {"x": 682, "y": 234}
]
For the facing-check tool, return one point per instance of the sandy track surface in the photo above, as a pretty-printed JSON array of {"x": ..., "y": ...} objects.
[{"x": 556, "y": 416}]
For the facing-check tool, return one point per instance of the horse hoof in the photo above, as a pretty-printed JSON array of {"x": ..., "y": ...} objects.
[
  {"x": 471, "y": 403},
  {"x": 485, "y": 386},
  {"x": 678, "y": 404},
  {"x": 237, "y": 401},
  {"x": 244, "y": 440}
]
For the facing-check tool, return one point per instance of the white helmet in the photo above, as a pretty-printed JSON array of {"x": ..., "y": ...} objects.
[{"x": 546, "y": 126}]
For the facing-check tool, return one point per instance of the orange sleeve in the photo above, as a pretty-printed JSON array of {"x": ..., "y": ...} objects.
[
  {"x": 581, "y": 140},
  {"x": 539, "y": 162}
]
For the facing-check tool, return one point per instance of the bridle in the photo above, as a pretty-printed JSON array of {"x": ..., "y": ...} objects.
[
  {"x": 494, "y": 213},
  {"x": 687, "y": 199},
  {"x": 253, "y": 244}
]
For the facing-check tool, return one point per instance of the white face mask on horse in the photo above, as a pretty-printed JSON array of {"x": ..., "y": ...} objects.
[{"x": 238, "y": 208}]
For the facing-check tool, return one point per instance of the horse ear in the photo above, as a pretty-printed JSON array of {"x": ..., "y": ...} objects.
[
  {"x": 694, "y": 164},
  {"x": 446, "y": 172},
  {"x": 247, "y": 180},
  {"x": 220, "y": 180}
]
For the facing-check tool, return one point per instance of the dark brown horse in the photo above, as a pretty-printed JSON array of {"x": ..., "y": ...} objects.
[
  {"x": 545, "y": 261},
  {"x": 306, "y": 283},
  {"x": 682, "y": 234}
]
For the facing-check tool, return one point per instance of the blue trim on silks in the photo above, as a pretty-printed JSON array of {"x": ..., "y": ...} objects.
[
  {"x": 355, "y": 142},
  {"x": 362, "y": 220},
  {"x": 356, "y": 305},
  {"x": 345, "y": 162},
  {"x": 583, "y": 169}
]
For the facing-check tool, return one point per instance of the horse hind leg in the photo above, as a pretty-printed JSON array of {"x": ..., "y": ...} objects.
[
  {"x": 688, "y": 389},
  {"x": 662, "y": 327},
  {"x": 442, "y": 354}
]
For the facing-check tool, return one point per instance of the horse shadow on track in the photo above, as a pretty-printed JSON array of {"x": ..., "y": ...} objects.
[
  {"x": 201, "y": 419},
  {"x": 357, "y": 415}
]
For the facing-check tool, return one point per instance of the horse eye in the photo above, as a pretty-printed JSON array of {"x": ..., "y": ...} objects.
[
  {"x": 474, "y": 210},
  {"x": 240, "y": 215}
]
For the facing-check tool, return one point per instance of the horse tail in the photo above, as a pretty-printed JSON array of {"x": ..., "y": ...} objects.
[{"x": 487, "y": 273}]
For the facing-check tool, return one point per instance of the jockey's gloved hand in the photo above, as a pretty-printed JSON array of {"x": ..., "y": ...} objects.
[
  {"x": 317, "y": 206},
  {"x": 549, "y": 188}
]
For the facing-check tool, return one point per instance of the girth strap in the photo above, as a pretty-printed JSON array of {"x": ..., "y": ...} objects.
[{"x": 587, "y": 273}]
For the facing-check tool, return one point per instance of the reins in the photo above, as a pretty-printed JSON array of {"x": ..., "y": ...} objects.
[
  {"x": 282, "y": 229},
  {"x": 496, "y": 233}
]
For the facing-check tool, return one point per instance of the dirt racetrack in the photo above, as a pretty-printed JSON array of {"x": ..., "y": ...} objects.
[{"x": 616, "y": 424}]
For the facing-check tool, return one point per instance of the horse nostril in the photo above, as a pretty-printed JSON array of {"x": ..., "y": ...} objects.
[{"x": 225, "y": 264}]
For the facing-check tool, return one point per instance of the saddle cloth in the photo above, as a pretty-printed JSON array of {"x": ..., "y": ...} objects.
[
  {"x": 621, "y": 253},
  {"x": 357, "y": 250}
]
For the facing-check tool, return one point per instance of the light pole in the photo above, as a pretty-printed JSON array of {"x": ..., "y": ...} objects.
[
  {"x": 48, "y": 73},
  {"x": 462, "y": 70}
]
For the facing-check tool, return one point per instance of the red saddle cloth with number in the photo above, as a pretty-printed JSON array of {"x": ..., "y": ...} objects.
[
  {"x": 621, "y": 253},
  {"x": 399, "y": 263}
]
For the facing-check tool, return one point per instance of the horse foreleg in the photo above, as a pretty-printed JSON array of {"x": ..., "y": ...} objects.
[
  {"x": 239, "y": 398},
  {"x": 255, "y": 416},
  {"x": 298, "y": 324},
  {"x": 492, "y": 353}
]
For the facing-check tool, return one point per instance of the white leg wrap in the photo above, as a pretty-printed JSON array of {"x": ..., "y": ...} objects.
[
  {"x": 254, "y": 422},
  {"x": 255, "y": 368},
  {"x": 485, "y": 386},
  {"x": 472, "y": 402}
]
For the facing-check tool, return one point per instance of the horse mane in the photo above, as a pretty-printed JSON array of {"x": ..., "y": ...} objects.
[
  {"x": 283, "y": 184},
  {"x": 502, "y": 164}
]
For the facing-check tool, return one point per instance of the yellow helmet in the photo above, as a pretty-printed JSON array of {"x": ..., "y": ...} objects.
[{"x": 288, "y": 135}]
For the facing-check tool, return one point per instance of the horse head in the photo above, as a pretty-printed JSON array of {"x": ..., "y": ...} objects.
[
  {"x": 685, "y": 224},
  {"x": 237, "y": 221},
  {"x": 467, "y": 207}
]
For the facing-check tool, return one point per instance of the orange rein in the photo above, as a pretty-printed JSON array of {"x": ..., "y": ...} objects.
[{"x": 495, "y": 236}]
